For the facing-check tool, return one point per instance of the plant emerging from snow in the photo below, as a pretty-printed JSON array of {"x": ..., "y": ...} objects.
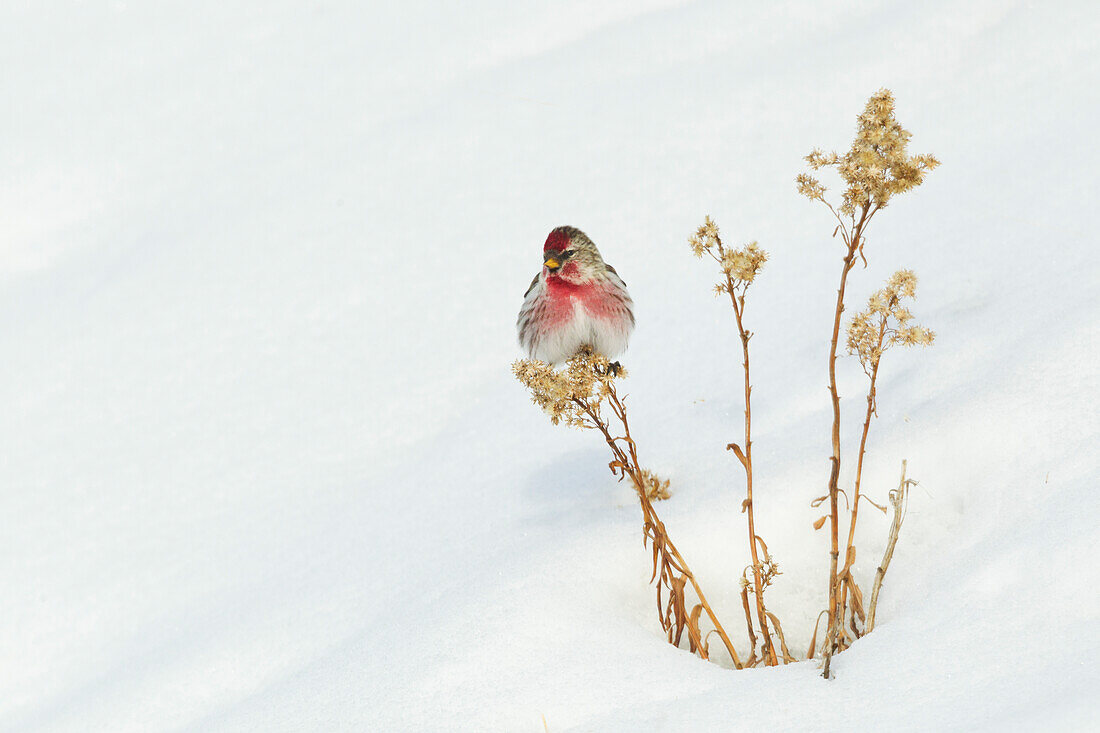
[
  {"x": 739, "y": 269},
  {"x": 884, "y": 323},
  {"x": 876, "y": 168},
  {"x": 577, "y": 394}
]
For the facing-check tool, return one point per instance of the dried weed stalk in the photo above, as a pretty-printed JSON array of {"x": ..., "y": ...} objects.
[
  {"x": 739, "y": 269},
  {"x": 876, "y": 168},
  {"x": 884, "y": 323},
  {"x": 577, "y": 396},
  {"x": 899, "y": 500}
]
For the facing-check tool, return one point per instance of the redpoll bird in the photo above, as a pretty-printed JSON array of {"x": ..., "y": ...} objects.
[{"x": 577, "y": 301}]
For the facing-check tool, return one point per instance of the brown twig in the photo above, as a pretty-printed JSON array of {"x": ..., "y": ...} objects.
[
  {"x": 748, "y": 620},
  {"x": 787, "y": 656},
  {"x": 898, "y": 501},
  {"x": 853, "y": 244},
  {"x": 850, "y": 551}
]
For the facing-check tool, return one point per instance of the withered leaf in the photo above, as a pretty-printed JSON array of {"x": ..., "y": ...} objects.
[{"x": 737, "y": 451}]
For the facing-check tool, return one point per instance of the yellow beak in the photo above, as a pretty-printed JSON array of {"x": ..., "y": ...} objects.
[{"x": 552, "y": 263}]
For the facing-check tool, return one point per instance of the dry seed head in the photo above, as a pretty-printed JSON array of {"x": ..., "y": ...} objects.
[
  {"x": 877, "y": 166},
  {"x": 886, "y": 321},
  {"x": 655, "y": 486},
  {"x": 585, "y": 380},
  {"x": 738, "y": 265},
  {"x": 817, "y": 159},
  {"x": 810, "y": 187},
  {"x": 771, "y": 569},
  {"x": 743, "y": 264},
  {"x": 705, "y": 238}
]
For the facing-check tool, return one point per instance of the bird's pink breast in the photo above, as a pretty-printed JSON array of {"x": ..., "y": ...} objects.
[
  {"x": 596, "y": 298},
  {"x": 567, "y": 315}
]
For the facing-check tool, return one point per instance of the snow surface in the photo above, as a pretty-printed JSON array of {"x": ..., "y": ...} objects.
[{"x": 263, "y": 463}]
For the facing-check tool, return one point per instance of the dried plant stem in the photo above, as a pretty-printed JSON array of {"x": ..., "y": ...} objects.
[
  {"x": 898, "y": 501},
  {"x": 738, "y": 301},
  {"x": 669, "y": 568},
  {"x": 748, "y": 623},
  {"x": 863, "y": 450},
  {"x": 787, "y": 656},
  {"x": 850, "y": 550},
  {"x": 739, "y": 269},
  {"x": 853, "y": 241}
]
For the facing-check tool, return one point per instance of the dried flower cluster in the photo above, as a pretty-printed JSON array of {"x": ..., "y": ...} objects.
[
  {"x": 567, "y": 395},
  {"x": 740, "y": 266},
  {"x": 705, "y": 238},
  {"x": 763, "y": 573},
  {"x": 877, "y": 166},
  {"x": 769, "y": 569},
  {"x": 655, "y": 486},
  {"x": 886, "y": 322}
]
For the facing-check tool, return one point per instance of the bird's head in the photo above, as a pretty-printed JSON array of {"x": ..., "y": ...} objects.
[{"x": 570, "y": 255}]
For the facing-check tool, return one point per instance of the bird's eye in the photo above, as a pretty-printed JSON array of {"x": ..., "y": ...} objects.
[{"x": 567, "y": 253}]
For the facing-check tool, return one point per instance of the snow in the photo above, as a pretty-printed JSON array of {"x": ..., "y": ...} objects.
[{"x": 264, "y": 465}]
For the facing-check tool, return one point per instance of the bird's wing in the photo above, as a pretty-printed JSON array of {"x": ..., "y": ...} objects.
[
  {"x": 622, "y": 294},
  {"x": 532, "y": 285},
  {"x": 615, "y": 273}
]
